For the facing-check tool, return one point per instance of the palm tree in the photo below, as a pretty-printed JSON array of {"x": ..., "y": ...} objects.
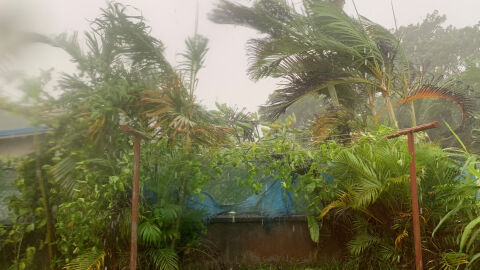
[
  {"x": 118, "y": 61},
  {"x": 172, "y": 108},
  {"x": 374, "y": 202},
  {"x": 175, "y": 114},
  {"x": 316, "y": 48}
]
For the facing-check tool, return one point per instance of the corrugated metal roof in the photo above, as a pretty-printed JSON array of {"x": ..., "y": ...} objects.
[{"x": 20, "y": 132}]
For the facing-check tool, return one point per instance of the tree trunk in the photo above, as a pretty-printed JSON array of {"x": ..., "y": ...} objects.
[
  {"x": 45, "y": 201},
  {"x": 412, "y": 114},
  {"x": 181, "y": 200},
  {"x": 371, "y": 104},
  {"x": 391, "y": 113},
  {"x": 333, "y": 95}
]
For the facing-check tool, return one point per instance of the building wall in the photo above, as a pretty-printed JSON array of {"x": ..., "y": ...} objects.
[{"x": 16, "y": 147}]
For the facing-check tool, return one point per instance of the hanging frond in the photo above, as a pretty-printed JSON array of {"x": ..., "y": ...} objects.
[
  {"x": 323, "y": 126},
  {"x": 63, "y": 173},
  {"x": 466, "y": 104},
  {"x": 175, "y": 114}
]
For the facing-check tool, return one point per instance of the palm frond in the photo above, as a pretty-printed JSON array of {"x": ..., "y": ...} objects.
[
  {"x": 164, "y": 259},
  {"x": 467, "y": 233},
  {"x": 361, "y": 243},
  {"x": 90, "y": 260},
  {"x": 149, "y": 233},
  {"x": 466, "y": 104},
  {"x": 63, "y": 173},
  {"x": 193, "y": 58},
  {"x": 453, "y": 260},
  {"x": 174, "y": 112}
]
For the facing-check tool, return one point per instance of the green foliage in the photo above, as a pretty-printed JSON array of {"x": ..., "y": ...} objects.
[
  {"x": 86, "y": 160},
  {"x": 313, "y": 50},
  {"x": 444, "y": 51},
  {"x": 164, "y": 259},
  {"x": 374, "y": 204},
  {"x": 244, "y": 126},
  {"x": 314, "y": 228},
  {"x": 356, "y": 189},
  {"x": 90, "y": 260}
]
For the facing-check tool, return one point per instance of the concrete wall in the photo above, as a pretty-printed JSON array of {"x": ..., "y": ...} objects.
[
  {"x": 254, "y": 240},
  {"x": 16, "y": 147}
]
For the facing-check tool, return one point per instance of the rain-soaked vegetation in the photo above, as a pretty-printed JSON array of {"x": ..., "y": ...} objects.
[{"x": 346, "y": 82}]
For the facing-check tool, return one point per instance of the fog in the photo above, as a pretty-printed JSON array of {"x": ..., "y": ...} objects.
[{"x": 224, "y": 77}]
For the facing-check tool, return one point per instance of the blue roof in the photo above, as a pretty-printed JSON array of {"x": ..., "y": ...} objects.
[{"x": 21, "y": 131}]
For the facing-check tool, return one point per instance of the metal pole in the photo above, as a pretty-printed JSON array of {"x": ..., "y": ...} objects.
[
  {"x": 415, "y": 208},
  {"x": 136, "y": 174},
  {"x": 417, "y": 240}
]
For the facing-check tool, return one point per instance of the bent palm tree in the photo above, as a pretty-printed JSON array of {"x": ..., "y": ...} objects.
[
  {"x": 313, "y": 51},
  {"x": 318, "y": 49}
]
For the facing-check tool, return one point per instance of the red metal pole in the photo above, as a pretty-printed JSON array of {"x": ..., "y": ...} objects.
[
  {"x": 415, "y": 208},
  {"x": 135, "y": 188},
  {"x": 417, "y": 240}
]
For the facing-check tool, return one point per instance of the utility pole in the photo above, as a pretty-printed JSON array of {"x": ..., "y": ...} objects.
[
  {"x": 138, "y": 136},
  {"x": 413, "y": 187}
]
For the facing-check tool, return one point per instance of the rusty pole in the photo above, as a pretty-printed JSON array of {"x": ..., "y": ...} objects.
[
  {"x": 135, "y": 189},
  {"x": 413, "y": 187}
]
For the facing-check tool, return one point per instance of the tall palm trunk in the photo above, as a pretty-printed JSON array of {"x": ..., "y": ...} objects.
[
  {"x": 181, "y": 201},
  {"x": 45, "y": 201},
  {"x": 371, "y": 104},
  {"x": 412, "y": 114},
  {"x": 333, "y": 95},
  {"x": 411, "y": 107},
  {"x": 391, "y": 113},
  {"x": 181, "y": 191}
]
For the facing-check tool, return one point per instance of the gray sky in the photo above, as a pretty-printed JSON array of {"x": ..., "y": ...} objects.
[{"x": 224, "y": 78}]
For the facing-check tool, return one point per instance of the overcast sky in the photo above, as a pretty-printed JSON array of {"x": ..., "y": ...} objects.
[{"x": 224, "y": 78}]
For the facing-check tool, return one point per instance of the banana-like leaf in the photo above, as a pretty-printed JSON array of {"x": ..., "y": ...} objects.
[
  {"x": 468, "y": 232},
  {"x": 314, "y": 228}
]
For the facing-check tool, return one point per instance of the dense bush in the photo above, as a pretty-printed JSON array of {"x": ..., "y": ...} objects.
[{"x": 73, "y": 206}]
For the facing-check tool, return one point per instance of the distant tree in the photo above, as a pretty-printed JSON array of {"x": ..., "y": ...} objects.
[
  {"x": 433, "y": 47},
  {"x": 437, "y": 52}
]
